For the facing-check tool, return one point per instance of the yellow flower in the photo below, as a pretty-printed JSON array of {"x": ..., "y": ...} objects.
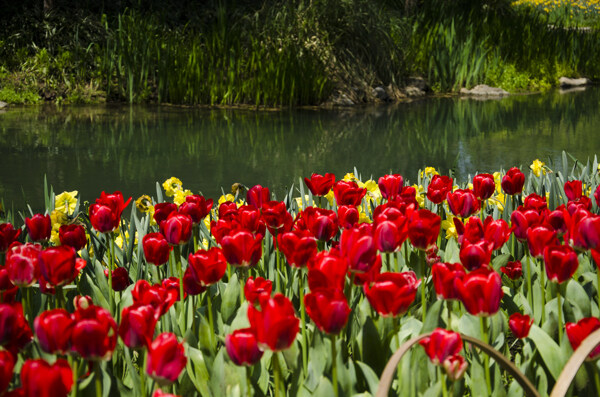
[
  {"x": 330, "y": 196},
  {"x": 350, "y": 177},
  {"x": 498, "y": 181},
  {"x": 144, "y": 203},
  {"x": 227, "y": 197},
  {"x": 171, "y": 185},
  {"x": 498, "y": 200},
  {"x": 373, "y": 192},
  {"x": 420, "y": 199},
  {"x": 66, "y": 202},
  {"x": 429, "y": 171},
  {"x": 299, "y": 201},
  {"x": 207, "y": 222},
  {"x": 448, "y": 226},
  {"x": 363, "y": 217},
  {"x": 538, "y": 167},
  {"x": 180, "y": 195}
]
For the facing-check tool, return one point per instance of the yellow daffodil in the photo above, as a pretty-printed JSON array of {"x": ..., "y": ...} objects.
[
  {"x": 419, "y": 196},
  {"x": 207, "y": 222},
  {"x": 171, "y": 185},
  {"x": 498, "y": 200},
  {"x": 350, "y": 177},
  {"x": 227, "y": 197},
  {"x": 538, "y": 167},
  {"x": 66, "y": 202},
  {"x": 429, "y": 172},
  {"x": 363, "y": 217},
  {"x": 180, "y": 195},
  {"x": 373, "y": 192},
  {"x": 144, "y": 203},
  {"x": 330, "y": 196},
  {"x": 498, "y": 181},
  {"x": 448, "y": 226}
]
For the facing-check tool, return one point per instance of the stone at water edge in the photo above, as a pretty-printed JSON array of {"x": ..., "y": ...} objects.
[
  {"x": 3, "y": 105},
  {"x": 565, "y": 82},
  {"x": 484, "y": 90}
]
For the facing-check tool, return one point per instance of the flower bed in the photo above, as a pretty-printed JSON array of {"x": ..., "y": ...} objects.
[{"x": 310, "y": 295}]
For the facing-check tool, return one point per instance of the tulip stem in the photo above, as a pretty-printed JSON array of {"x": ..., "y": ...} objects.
[
  {"x": 26, "y": 308},
  {"x": 543, "y": 284},
  {"x": 111, "y": 253},
  {"x": 59, "y": 297},
  {"x": 248, "y": 381},
  {"x": 142, "y": 366},
  {"x": 560, "y": 320},
  {"x": 423, "y": 285},
  {"x": 276, "y": 374},
  {"x": 98, "y": 376},
  {"x": 277, "y": 274},
  {"x": 180, "y": 270},
  {"x": 303, "y": 320},
  {"x": 486, "y": 358},
  {"x": 596, "y": 377},
  {"x": 598, "y": 285},
  {"x": 397, "y": 337},
  {"x": 211, "y": 320},
  {"x": 334, "y": 365},
  {"x": 530, "y": 297},
  {"x": 442, "y": 378},
  {"x": 75, "y": 378}
]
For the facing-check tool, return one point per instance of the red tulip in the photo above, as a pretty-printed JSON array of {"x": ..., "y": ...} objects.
[
  {"x": 8, "y": 235},
  {"x": 522, "y": 219},
  {"x": 320, "y": 185},
  {"x": 322, "y": 223},
  {"x": 190, "y": 285},
  {"x": 573, "y": 189},
  {"x": 197, "y": 207},
  {"x": 53, "y": 329},
  {"x": 596, "y": 196},
  {"x": 423, "y": 229},
  {"x": 163, "y": 210},
  {"x": 581, "y": 203},
  {"x": 248, "y": 217},
  {"x": 228, "y": 210},
  {"x": 72, "y": 235},
  {"x": 388, "y": 236},
  {"x": 470, "y": 231},
  {"x": 298, "y": 246},
  {"x": 59, "y": 265},
  {"x": 390, "y": 186},
  {"x": 157, "y": 296},
  {"x": 561, "y": 262},
  {"x": 7, "y": 364},
  {"x": 14, "y": 329},
  {"x": 577, "y": 332},
  {"x": 328, "y": 308},
  {"x": 443, "y": 275},
  {"x": 348, "y": 193},
  {"x": 41, "y": 379},
  {"x": 513, "y": 270},
  {"x": 391, "y": 294},
  {"x": 539, "y": 238},
  {"x": 348, "y": 216},
  {"x": 274, "y": 215},
  {"x": 137, "y": 325},
  {"x": 556, "y": 219},
  {"x": 177, "y": 228},
  {"x": 156, "y": 248},
  {"x": 535, "y": 202},
  {"x": 475, "y": 255},
  {"x": 22, "y": 264},
  {"x": 358, "y": 246},
  {"x": 255, "y": 288},
  {"x": 438, "y": 188},
  {"x": 587, "y": 233},
  {"x": 95, "y": 333},
  {"x": 480, "y": 291},
  {"x": 257, "y": 195},
  {"x": 484, "y": 186},
  {"x": 327, "y": 269},
  {"x": 160, "y": 393},
  {"x": 455, "y": 367},
  {"x": 39, "y": 227},
  {"x": 241, "y": 248},
  {"x": 369, "y": 276},
  {"x": 408, "y": 197},
  {"x": 120, "y": 278},
  {"x": 520, "y": 324},
  {"x": 105, "y": 214},
  {"x": 441, "y": 344},
  {"x": 496, "y": 232},
  {"x": 512, "y": 183},
  {"x": 166, "y": 359},
  {"x": 462, "y": 202},
  {"x": 171, "y": 285},
  {"x": 207, "y": 267},
  {"x": 275, "y": 324},
  {"x": 242, "y": 347}
]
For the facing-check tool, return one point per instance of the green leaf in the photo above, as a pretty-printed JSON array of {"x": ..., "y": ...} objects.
[
  {"x": 230, "y": 300},
  {"x": 325, "y": 388},
  {"x": 370, "y": 376},
  {"x": 549, "y": 351},
  {"x": 577, "y": 296},
  {"x": 432, "y": 319}
]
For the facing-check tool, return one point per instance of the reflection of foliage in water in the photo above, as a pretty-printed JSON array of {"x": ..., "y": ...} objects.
[{"x": 98, "y": 148}]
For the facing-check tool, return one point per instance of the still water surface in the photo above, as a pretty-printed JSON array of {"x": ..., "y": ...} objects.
[{"x": 110, "y": 148}]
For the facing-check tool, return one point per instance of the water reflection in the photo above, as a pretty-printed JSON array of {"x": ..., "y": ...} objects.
[{"x": 131, "y": 148}]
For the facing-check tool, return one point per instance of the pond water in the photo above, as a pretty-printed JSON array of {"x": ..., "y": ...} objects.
[{"x": 109, "y": 148}]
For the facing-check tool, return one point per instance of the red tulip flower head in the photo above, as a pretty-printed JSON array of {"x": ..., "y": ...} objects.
[
  {"x": 484, "y": 186},
  {"x": 22, "y": 263},
  {"x": 39, "y": 227},
  {"x": 275, "y": 324},
  {"x": 257, "y": 195},
  {"x": 327, "y": 269},
  {"x": 53, "y": 329},
  {"x": 523, "y": 219},
  {"x": 390, "y": 294},
  {"x": 166, "y": 359},
  {"x": 463, "y": 202},
  {"x": 577, "y": 332},
  {"x": 242, "y": 347},
  {"x": 156, "y": 248},
  {"x": 95, "y": 333},
  {"x": 348, "y": 193},
  {"x": 475, "y": 255},
  {"x": 320, "y": 185},
  {"x": 7, "y": 365},
  {"x": 520, "y": 324},
  {"x": 197, "y": 207},
  {"x": 190, "y": 285},
  {"x": 120, "y": 278},
  {"x": 561, "y": 262},
  {"x": 597, "y": 195},
  {"x": 137, "y": 325},
  {"x": 158, "y": 296},
  {"x": 480, "y": 291},
  {"x": 358, "y": 246},
  {"x": 60, "y": 265},
  {"x": 514, "y": 270},
  {"x": 257, "y": 287},
  {"x": 443, "y": 275},
  {"x": 348, "y": 216},
  {"x": 535, "y": 202},
  {"x": 390, "y": 186},
  {"x": 322, "y": 223},
  {"x": 328, "y": 308},
  {"x": 207, "y": 267},
  {"x": 512, "y": 183},
  {"x": 105, "y": 214},
  {"x": 587, "y": 233},
  {"x": 241, "y": 248},
  {"x": 438, "y": 188},
  {"x": 496, "y": 232},
  {"x": 539, "y": 238},
  {"x": 441, "y": 344},
  {"x": 72, "y": 235},
  {"x": 8, "y": 235},
  {"x": 298, "y": 246},
  {"x": 44, "y": 380},
  {"x": 177, "y": 228},
  {"x": 389, "y": 236},
  {"x": 163, "y": 210},
  {"x": 274, "y": 215},
  {"x": 573, "y": 189},
  {"x": 14, "y": 329},
  {"x": 455, "y": 367},
  {"x": 423, "y": 229}
]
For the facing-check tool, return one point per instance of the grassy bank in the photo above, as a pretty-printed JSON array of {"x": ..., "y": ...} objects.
[{"x": 280, "y": 53}]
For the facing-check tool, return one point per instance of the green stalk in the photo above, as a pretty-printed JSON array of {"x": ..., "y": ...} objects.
[
  {"x": 598, "y": 288},
  {"x": 26, "y": 308},
  {"x": 303, "y": 322},
  {"x": 98, "y": 376},
  {"x": 211, "y": 320},
  {"x": 243, "y": 276},
  {"x": 75, "y": 377},
  {"x": 334, "y": 365},
  {"x": 180, "y": 270},
  {"x": 143, "y": 373},
  {"x": 276, "y": 374},
  {"x": 59, "y": 299},
  {"x": 442, "y": 378},
  {"x": 486, "y": 358},
  {"x": 543, "y": 284},
  {"x": 596, "y": 377},
  {"x": 397, "y": 337},
  {"x": 248, "y": 381},
  {"x": 449, "y": 312},
  {"x": 277, "y": 271},
  {"x": 530, "y": 298},
  {"x": 560, "y": 319},
  {"x": 388, "y": 261},
  {"x": 423, "y": 285},
  {"x": 111, "y": 252}
]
